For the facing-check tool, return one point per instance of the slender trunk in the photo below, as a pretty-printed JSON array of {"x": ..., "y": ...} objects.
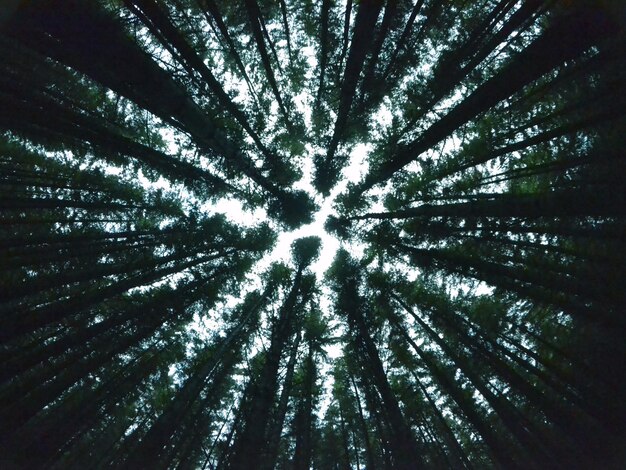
[
  {"x": 369, "y": 82},
  {"x": 401, "y": 43},
  {"x": 366, "y": 438},
  {"x": 405, "y": 449},
  {"x": 303, "y": 451},
  {"x": 359, "y": 47},
  {"x": 256, "y": 23},
  {"x": 212, "y": 8},
  {"x": 283, "y": 11},
  {"x": 457, "y": 453},
  {"x": 602, "y": 202},
  {"x": 346, "y": 34},
  {"x": 278, "y": 420},
  {"x": 326, "y": 4}
]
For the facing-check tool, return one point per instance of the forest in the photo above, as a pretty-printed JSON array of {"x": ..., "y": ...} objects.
[{"x": 312, "y": 234}]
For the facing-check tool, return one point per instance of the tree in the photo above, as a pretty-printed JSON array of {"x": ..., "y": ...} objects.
[{"x": 155, "y": 156}]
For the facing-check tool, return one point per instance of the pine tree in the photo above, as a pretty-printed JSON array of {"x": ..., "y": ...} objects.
[{"x": 472, "y": 317}]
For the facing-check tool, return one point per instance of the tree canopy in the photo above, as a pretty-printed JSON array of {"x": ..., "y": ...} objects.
[{"x": 471, "y": 157}]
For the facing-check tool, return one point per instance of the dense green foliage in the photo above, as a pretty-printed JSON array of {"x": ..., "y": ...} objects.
[{"x": 474, "y": 316}]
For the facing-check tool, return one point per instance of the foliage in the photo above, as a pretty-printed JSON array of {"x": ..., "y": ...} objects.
[{"x": 473, "y": 316}]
